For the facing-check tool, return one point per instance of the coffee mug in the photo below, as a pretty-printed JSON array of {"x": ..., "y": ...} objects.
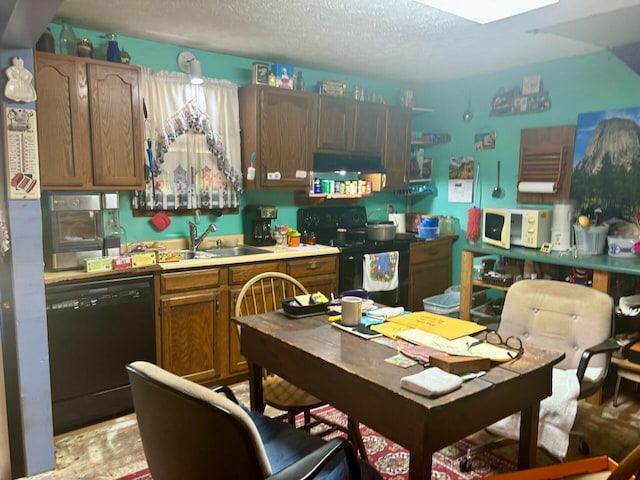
[{"x": 351, "y": 311}]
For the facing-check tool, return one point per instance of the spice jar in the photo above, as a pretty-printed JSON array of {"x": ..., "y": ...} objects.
[{"x": 311, "y": 238}]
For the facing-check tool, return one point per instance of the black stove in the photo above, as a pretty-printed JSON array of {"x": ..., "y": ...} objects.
[{"x": 345, "y": 227}]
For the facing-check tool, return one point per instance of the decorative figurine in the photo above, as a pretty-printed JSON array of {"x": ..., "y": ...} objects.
[{"x": 19, "y": 88}]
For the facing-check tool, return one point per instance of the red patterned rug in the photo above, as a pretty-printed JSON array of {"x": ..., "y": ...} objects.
[{"x": 392, "y": 461}]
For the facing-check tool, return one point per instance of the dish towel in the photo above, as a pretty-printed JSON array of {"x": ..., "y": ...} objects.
[
  {"x": 385, "y": 313},
  {"x": 380, "y": 271},
  {"x": 557, "y": 414},
  {"x": 431, "y": 382}
]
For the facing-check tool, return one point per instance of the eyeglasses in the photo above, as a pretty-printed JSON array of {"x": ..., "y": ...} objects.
[{"x": 493, "y": 338}]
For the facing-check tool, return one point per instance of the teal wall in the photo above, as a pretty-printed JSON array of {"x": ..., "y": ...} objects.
[
  {"x": 576, "y": 85},
  {"x": 579, "y": 84}
]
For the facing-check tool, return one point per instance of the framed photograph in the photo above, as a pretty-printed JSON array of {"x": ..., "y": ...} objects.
[
  {"x": 531, "y": 85},
  {"x": 485, "y": 141},
  {"x": 520, "y": 104},
  {"x": 260, "y": 73}
]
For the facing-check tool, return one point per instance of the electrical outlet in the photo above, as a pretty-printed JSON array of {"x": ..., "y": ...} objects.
[{"x": 389, "y": 208}]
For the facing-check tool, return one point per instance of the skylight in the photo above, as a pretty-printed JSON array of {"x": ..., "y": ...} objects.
[{"x": 486, "y": 11}]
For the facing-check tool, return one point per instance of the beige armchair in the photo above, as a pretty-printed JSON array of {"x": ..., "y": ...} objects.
[{"x": 564, "y": 317}]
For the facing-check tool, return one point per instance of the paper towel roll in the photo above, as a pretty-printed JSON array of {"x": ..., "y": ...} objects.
[
  {"x": 537, "y": 187},
  {"x": 399, "y": 220}
]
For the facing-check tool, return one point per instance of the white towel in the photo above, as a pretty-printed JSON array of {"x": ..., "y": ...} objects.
[
  {"x": 557, "y": 414},
  {"x": 431, "y": 382},
  {"x": 380, "y": 271},
  {"x": 630, "y": 306},
  {"x": 385, "y": 312}
]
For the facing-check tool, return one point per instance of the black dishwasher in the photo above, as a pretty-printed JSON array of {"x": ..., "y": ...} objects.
[{"x": 95, "y": 328}]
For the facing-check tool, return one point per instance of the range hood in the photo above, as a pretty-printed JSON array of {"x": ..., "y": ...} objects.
[{"x": 346, "y": 163}]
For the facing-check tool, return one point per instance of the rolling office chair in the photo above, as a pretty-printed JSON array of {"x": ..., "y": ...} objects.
[
  {"x": 564, "y": 317},
  {"x": 263, "y": 293},
  {"x": 191, "y": 431}
]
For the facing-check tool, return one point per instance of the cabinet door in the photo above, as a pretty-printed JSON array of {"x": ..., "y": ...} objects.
[
  {"x": 369, "y": 129},
  {"x": 335, "y": 124},
  {"x": 192, "y": 336},
  {"x": 116, "y": 125},
  {"x": 427, "y": 280},
  {"x": 63, "y": 122},
  {"x": 287, "y": 138},
  {"x": 237, "y": 363},
  {"x": 397, "y": 147}
]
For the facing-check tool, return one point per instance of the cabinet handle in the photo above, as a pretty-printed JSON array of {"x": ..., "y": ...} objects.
[
  {"x": 217, "y": 305},
  {"x": 313, "y": 266},
  {"x": 432, "y": 252}
]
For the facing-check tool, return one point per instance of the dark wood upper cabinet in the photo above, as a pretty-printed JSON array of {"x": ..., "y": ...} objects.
[
  {"x": 397, "y": 147},
  {"x": 90, "y": 123},
  {"x": 278, "y": 129},
  {"x": 335, "y": 124}
]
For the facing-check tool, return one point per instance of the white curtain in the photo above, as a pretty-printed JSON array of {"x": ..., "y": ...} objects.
[{"x": 193, "y": 132}]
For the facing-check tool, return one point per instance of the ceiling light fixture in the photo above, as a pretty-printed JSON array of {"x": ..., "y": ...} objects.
[
  {"x": 486, "y": 11},
  {"x": 191, "y": 65}
]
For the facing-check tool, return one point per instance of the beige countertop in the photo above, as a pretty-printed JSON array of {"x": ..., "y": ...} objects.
[{"x": 275, "y": 253}]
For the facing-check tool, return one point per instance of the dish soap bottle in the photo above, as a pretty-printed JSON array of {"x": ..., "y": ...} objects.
[{"x": 68, "y": 40}]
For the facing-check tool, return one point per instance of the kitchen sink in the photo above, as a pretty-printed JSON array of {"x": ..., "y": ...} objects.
[
  {"x": 191, "y": 255},
  {"x": 238, "y": 251}
]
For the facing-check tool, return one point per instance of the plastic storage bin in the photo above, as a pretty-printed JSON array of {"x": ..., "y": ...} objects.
[
  {"x": 428, "y": 232},
  {"x": 591, "y": 240},
  {"x": 449, "y": 301}
]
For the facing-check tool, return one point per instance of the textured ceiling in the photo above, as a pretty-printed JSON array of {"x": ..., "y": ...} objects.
[{"x": 390, "y": 39}]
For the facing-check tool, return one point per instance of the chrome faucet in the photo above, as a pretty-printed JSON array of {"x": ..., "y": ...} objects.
[{"x": 195, "y": 240}]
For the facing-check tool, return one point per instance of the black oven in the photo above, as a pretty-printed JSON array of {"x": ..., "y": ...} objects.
[
  {"x": 345, "y": 228},
  {"x": 352, "y": 270}
]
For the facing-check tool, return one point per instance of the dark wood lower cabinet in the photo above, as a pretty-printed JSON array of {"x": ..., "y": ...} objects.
[
  {"x": 195, "y": 335},
  {"x": 429, "y": 270},
  {"x": 190, "y": 325}
]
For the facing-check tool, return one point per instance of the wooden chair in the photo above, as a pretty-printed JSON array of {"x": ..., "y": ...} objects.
[
  {"x": 264, "y": 293},
  {"x": 191, "y": 431}
]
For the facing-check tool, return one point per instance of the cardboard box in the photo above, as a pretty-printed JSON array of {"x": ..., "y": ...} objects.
[
  {"x": 284, "y": 75},
  {"x": 143, "y": 259},
  {"x": 333, "y": 88},
  {"x": 456, "y": 364},
  {"x": 165, "y": 256},
  {"x": 589, "y": 468},
  {"x": 260, "y": 73},
  {"x": 103, "y": 264},
  {"x": 122, "y": 262}
]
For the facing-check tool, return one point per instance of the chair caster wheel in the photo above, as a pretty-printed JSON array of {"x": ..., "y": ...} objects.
[
  {"x": 465, "y": 464},
  {"x": 583, "y": 447}
]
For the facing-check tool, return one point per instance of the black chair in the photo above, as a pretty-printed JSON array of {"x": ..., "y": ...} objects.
[{"x": 190, "y": 431}]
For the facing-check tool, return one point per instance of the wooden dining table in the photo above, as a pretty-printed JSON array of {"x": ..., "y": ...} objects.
[{"x": 351, "y": 374}]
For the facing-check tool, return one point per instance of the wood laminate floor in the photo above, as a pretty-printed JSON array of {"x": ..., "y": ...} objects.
[{"x": 112, "y": 449}]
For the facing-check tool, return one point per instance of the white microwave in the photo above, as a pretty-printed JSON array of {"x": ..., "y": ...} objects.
[{"x": 524, "y": 227}]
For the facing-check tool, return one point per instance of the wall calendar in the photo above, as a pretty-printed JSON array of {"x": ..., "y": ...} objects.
[{"x": 23, "y": 166}]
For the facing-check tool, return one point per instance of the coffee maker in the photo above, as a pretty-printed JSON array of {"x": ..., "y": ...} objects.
[{"x": 257, "y": 224}]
